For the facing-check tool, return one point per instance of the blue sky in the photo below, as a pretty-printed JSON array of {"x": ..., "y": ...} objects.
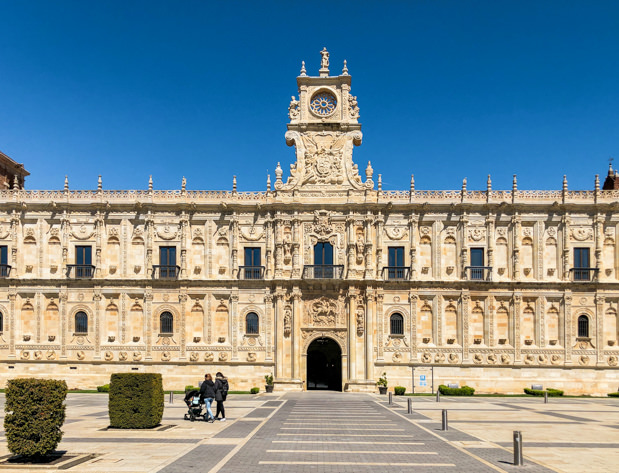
[{"x": 446, "y": 89}]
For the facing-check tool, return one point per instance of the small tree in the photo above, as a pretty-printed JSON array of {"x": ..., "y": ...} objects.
[
  {"x": 35, "y": 412},
  {"x": 136, "y": 400}
]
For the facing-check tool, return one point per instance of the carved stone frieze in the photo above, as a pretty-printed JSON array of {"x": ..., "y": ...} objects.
[
  {"x": 396, "y": 233},
  {"x": 582, "y": 233},
  {"x": 322, "y": 312}
]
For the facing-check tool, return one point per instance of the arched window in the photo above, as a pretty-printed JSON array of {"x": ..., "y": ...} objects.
[
  {"x": 166, "y": 322},
  {"x": 81, "y": 322},
  {"x": 583, "y": 326},
  {"x": 251, "y": 324},
  {"x": 1, "y": 322},
  {"x": 397, "y": 324}
]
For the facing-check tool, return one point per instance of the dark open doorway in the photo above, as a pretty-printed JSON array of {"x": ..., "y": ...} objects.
[{"x": 324, "y": 365}]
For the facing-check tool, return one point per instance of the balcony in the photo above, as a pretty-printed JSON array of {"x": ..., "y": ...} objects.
[
  {"x": 396, "y": 273},
  {"x": 478, "y": 273},
  {"x": 5, "y": 270},
  {"x": 80, "y": 271},
  {"x": 323, "y": 271},
  {"x": 584, "y": 274},
  {"x": 251, "y": 272},
  {"x": 164, "y": 271}
]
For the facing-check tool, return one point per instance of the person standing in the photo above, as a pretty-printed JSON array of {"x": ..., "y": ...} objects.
[
  {"x": 207, "y": 394},
  {"x": 221, "y": 392}
]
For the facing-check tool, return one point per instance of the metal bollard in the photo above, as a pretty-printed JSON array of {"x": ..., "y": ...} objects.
[
  {"x": 438, "y": 396},
  {"x": 410, "y": 405},
  {"x": 171, "y": 397},
  {"x": 518, "y": 448},
  {"x": 545, "y": 397},
  {"x": 444, "y": 425},
  {"x": 390, "y": 399}
]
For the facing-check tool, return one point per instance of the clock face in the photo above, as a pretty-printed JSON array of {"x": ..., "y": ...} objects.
[{"x": 323, "y": 104}]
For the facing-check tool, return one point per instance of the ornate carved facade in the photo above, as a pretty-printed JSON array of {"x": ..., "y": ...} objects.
[{"x": 474, "y": 283}]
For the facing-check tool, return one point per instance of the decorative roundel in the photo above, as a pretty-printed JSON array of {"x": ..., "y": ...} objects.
[{"x": 323, "y": 104}]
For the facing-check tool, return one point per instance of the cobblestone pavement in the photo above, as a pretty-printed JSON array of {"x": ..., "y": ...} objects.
[
  {"x": 333, "y": 432},
  {"x": 342, "y": 432}
]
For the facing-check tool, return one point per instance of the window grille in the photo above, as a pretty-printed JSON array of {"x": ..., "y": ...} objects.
[
  {"x": 81, "y": 322},
  {"x": 251, "y": 324},
  {"x": 583, "y": 326},
  {"x": 166, "y": 323},
  {"x": 397, "y": 324}
]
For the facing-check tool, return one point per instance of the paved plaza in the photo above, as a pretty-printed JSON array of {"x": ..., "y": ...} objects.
[{"x": 341, "y": 432}]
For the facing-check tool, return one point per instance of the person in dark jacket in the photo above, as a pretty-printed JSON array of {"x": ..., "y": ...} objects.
[
  {"x": 207, "y": 394},
  {"x": 221, "y": 392}
]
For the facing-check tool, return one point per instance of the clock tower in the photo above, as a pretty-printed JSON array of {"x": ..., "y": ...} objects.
[{"x": 324, "y": 127}]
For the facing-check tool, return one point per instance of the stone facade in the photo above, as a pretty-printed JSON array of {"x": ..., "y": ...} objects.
[{"x": 495, "y": 289}]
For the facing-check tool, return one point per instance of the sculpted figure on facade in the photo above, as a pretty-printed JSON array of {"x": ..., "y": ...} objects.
[{"x": 323, "y": 312}]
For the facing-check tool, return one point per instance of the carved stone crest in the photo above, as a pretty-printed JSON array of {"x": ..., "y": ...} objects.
[
  {"x": 322, "y": 312},
  {"x": 167, "y": 231},
  {"x": 322, "y": 223},
  {"x": 396, "y": 233},
  {"x": 582, "y": 233},
  {"x": 477, "y": 234}
]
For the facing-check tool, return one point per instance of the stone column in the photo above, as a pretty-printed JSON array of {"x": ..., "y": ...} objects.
[
  {"x": 234, "y": 245},
  {"x": 599, "y": 240},
  {"x": 599, "y": 332},
  {"x": 184, "y": 226},
  {"x": 295, "y": 356},
  {"x": 296, "y": 245},
  {"x": 268, "y": 258},
  {"x": 369, "y": 324},
  {"x": 62, "y": 298},
  {"x": 279, "y": 334},
  {"x": 148, "y": 315},
  {"x": 182, "y": 299},
  {"x": 279, "y": 249},
  {"x": 412, "y": 226},
  {"x": 270, "y": 326},
  {"x": 12, "y": 322},
  {"x": 234, "y": 330},
  {"x": 99, "y": 229},
  {"x": 516, "y": 307},
  {"x": 368, "y": 246},
  {"x": 380, "y": 220},
  {"x": 516, "y": 224},
  {"x": 380, "y": 326},
  {"x": 465, "y": 298},
  {"x": 97, "y": 300},
  {"x": 490, "y": 243},
  {"x": 352, "y": 334},
  {"x": 566, "y": 247},
  {"x": 412, "y": 300},
  {"x": 567, "y": 323}
]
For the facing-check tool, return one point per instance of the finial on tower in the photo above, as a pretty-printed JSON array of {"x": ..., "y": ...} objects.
[
  {"x": 324, "y": 63},
  {"x": 150, "y": 183},
  {"x": 99, "y": 183},
  {"x": 15, "y": 182},
  {"x": 514, "y": 184},
  {"x": 183, "y": 184},
  {"x": 489, "y": 184},
  {"x": 412, "y": 183},
  {"x": 564, "y": 182},
  {"x": 464, "y": 185},
  {"x": 345, "y": 69},
  {"x": 66, "y": 183},
  {"x": 610, "y": 166},
  {"x": 234, "y": 184},
  {"x": 303, "y": 71},
  {"x": 268, "y": 183}
]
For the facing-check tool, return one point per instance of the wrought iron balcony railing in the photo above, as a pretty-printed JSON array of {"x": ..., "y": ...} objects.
[
  {"x": 396, "y": 272},
  {"x": 251, "y": 272},
  {"x": 584, "y": 274},
  {"x": 478, "y": 273},
  {"x": 323, "y": 271},
  {"x": 5, "y": 270},
  {"x": 80, "y": 271},
  {"x": 164, "y": 271}
]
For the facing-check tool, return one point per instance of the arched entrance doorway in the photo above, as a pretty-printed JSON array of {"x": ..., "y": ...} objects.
[{"x": 324, "y": 365}]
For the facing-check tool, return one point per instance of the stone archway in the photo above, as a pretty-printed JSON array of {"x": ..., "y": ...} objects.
[{"x": 324, "y": 365}]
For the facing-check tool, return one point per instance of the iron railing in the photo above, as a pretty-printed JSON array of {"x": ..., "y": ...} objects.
[
  {"x": 251, "y": 272},
  {"x": 80, "y": 271},
  {"x": 166, "y": 271},
  {"x": 478, "y": 273},
  {"x": 396, "y": 272},
  {"x": 323, "y": 271},
  {"x": 584, "y": 274}
]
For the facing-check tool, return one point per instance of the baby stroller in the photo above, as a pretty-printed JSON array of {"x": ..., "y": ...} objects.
[{"x": 192, "y": 399}]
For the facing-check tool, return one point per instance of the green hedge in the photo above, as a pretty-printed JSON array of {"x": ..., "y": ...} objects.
[
  {"x": 399, "y": 390},
  {"x": 538, "y": 392},
  {"x": 35, "y": 412},
  {"x": 189, "y": 387},
  {"x": 463, "y": 391},
  {"x": 136, "y": 400},
  {"x": 613, "y": 394},
  {"x": 254, "y": 390},
  {"x": 103, "y": 389}
]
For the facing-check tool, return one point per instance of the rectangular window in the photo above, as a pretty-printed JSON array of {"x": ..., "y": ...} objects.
[
  {"x": 83, "y": 261},
  {"x": 396, "y": 267},
  {"x": 4, "y": 261},
  {"x": 323, "y": 253},
  {"x": 252, "y": 256},
  {"x": 167, "y": 262},
  {"x": 252, "y": 267},
  {"x": 477, "y": 263},
  {"x": 581, "y": 264},
  {"x": 396, "y": 256}
]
